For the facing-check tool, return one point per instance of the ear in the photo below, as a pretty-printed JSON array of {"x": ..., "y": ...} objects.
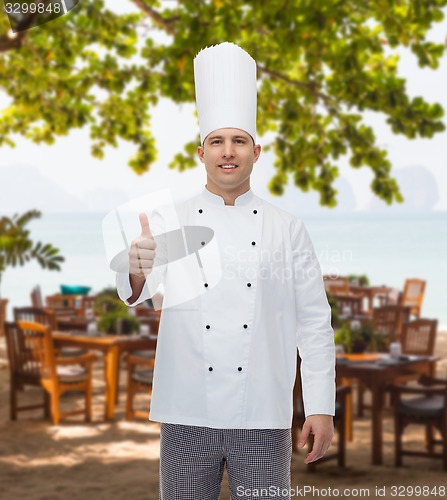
[
  {"x": 200, "y": 152},
  {"x": 257, "y": 152}
]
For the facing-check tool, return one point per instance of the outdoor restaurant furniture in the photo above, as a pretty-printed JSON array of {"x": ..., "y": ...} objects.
[
  {"x": 419, "y": 337},
  {"x": 72, "y": 323},
  {"x": 370, "y": 295},
  {"x": 377, "y": 372},
  {"x": 37, "y": 315},
  {"x": 349, "y": 306},
  {"x": 57, "y": 375},
  {"x": 413, "y": 295},
  {"x": 112, "y": 346},
  {"x": 389, "y": 319},
  {"x": 428, "y": 408},
  {"x": 3, "y": 304},
  {"x": 23, "y": 371},
  {"x": 140, "y": 369},
  {"x": 45, "y": 317},
  {"x": 36, "y": 297},
  {"x": 59, "y": 301},
  {"x": 340, "y": 421},
  {"x": 336, "y": 284}
]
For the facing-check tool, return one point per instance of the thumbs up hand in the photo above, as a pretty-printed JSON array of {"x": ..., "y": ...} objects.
[{"x": 142, "y": 250}]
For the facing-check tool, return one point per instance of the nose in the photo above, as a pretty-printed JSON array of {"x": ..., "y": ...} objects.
[{"x": 228, "y": 149}]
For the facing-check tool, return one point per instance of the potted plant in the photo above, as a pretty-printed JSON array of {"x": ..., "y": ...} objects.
[
  {"x": 16, "y": 248},
  {"x": 358, "y": 279},
  {"x": 358, "y": 337},
  {"x": 114, "y": 316}
]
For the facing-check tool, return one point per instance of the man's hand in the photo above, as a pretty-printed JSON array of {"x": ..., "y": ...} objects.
[
  {"x": 322, "y": 427},
  {"x": 142, "y": 251},
  {"x": 141, "y": 258}
]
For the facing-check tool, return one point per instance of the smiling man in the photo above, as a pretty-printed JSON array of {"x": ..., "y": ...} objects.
[
  {"x": 229, "y": 156},
  {"x": 226, "y": 359}
]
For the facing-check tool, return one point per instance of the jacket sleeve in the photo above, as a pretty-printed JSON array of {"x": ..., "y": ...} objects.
[
  {"x": 155, "y": 280},
  {"x": 315, "y": 337}
]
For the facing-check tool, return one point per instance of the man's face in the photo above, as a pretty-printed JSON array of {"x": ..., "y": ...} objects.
[{"x": 228, "y": 155}]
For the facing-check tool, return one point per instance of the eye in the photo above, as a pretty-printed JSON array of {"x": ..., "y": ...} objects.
[
  {"x": 215, "y": 141},
  {"x": 240, "y": 141}
]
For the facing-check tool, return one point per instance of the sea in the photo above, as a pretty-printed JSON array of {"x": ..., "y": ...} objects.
[{"x": 386, "y": 248}]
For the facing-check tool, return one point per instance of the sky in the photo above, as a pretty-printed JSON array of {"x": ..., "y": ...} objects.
[{"x": 101, "y": 184}]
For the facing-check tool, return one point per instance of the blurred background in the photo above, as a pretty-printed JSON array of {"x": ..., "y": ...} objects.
[{"x": 99, "y": 105}]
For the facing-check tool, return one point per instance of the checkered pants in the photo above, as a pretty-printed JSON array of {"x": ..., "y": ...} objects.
[{"x": 192, "y": 461}]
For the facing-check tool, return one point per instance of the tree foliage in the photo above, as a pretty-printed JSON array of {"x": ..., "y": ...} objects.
[
  {"x": 16, "y": 247},
  {"x": 321, "y": 64}
]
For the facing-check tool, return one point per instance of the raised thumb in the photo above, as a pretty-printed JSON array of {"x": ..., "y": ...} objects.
[{"x": 144, "y": 222}]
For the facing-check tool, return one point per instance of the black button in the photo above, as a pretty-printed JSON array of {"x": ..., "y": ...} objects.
[
  {"x": 249, "y": 285},
  {"x": 205, "y": 285},
  {"x": 253, "y": 243},
  {"x": 245, "y": 326},
  {"x": 210, "y": 368},
  {"x": 255, "y": 211},
  {"x": 202, "y": 243},
  {"x": 240, "y": 368},
  {"x": 207, "y": 327},
  {"x": 200, "y": 210}
]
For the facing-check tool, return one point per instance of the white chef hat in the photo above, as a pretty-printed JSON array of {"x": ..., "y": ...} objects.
[{"x": 225, "y": 80}]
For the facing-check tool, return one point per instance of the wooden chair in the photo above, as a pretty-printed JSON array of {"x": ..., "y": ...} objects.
[
  {"x": 349, "y": 305},
  {"x": 429, "y": 408},
  {"x": 140, "y": 366},
  {"x": 57, "y": 375},
  {"x": 389, "y": 319},
  {"x": 3, "y": 304},
  {"x": 419, "y": 337},
  {"x": 36, "y": 297},
  {"x": 48, "y": 318},
  {"x": 413, "y": 295},
  {"x": 340, "y": 422},
  {"x": 59, "y": 301},
  {"x": 87, "y": 304},
  {"x": 336, "y": 284},
  {"x": 37, "y": 315},
  {"x": 23, "y": 371}
]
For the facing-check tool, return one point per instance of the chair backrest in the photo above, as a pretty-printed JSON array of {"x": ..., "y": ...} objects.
[
  {"x": 348, "y": 305},
  {"x": 36, "y": 297},
  {"x": 25, "y": 353},
  {"x": 87, "y": 304},
  {"x": 336, "y": 284},
  {"x": 419, "y": 337},
  {"x": 59, "y": 301},
  {"x": 413, "y": 295},
  {"x": 37, "y": 315},
  {"x": 39, "y": 344},
  {"x": 388, "y": 320}
]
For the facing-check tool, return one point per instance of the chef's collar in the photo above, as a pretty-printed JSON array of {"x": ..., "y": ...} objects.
[{"x": 215, "y": 199}]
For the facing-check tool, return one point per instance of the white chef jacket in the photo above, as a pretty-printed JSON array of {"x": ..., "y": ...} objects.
[{"x": 227, "y": 357}]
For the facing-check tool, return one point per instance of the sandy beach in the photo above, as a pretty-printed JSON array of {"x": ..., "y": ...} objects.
[{"x": 120, "y": 460}]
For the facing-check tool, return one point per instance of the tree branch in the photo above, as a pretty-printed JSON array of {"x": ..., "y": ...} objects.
[
  {"x": 11, "y": 41},
  {"x": 155, "y": 16},
  {"x": 307, "y": 86}
]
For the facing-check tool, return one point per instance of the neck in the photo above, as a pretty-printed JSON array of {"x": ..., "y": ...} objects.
[{"x": 229, "y": 197}]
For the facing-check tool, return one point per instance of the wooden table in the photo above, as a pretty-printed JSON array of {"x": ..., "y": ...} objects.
[
  {"x": 377, "y": 376},
  {"x": 369, "y": 293},
  {"x": 112, "y": 346}
]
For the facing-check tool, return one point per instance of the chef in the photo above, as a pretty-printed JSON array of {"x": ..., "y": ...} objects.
[{"x": 247, "y": 294}]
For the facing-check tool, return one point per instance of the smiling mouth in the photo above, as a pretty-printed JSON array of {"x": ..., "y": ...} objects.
[{"x": 228, "y": 166}]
